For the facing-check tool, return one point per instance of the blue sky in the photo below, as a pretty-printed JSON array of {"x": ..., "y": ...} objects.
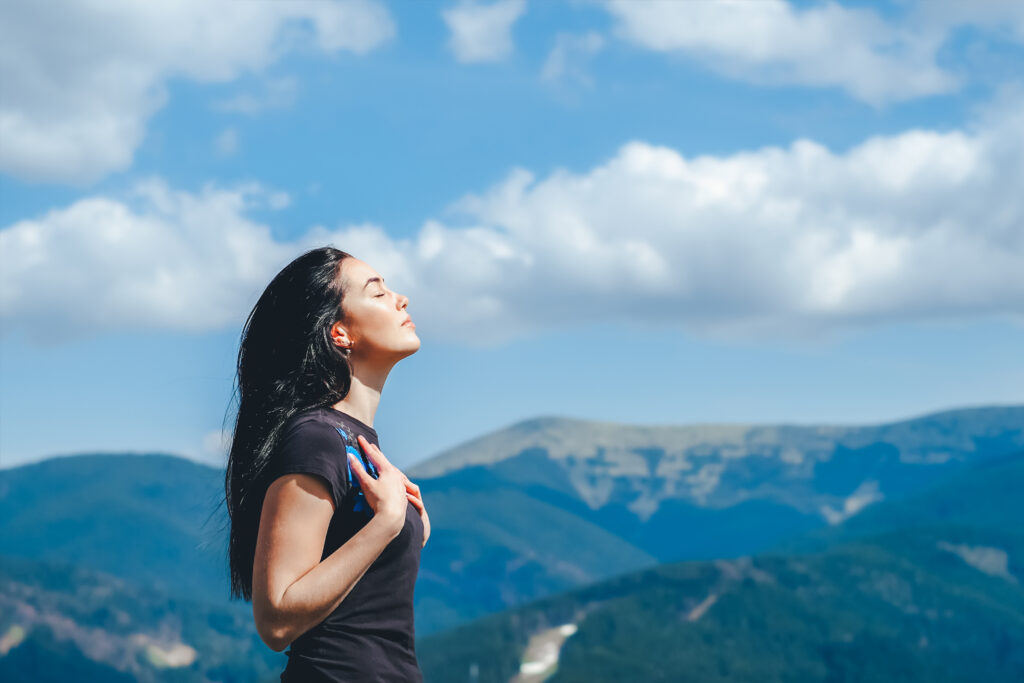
[{"x": 635, "y": 211}]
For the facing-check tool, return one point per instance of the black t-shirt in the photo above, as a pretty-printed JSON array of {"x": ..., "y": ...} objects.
[{"x": 369, "y": 636}]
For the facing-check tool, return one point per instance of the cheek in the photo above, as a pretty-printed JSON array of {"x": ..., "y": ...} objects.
[
  {"x": 380, "y": 322},
  {"x": 371, "y": 320}
]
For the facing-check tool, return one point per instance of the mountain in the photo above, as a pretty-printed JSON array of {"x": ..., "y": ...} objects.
[
  {"x": 980, "y": 496},
  {"x": 514, "y": 501},
  {"x": 61, "y": 622},
  {"x": 638, "y": 480},
  {"x": 147, "y": 518},
  {"x": 929, "y": 588},
  {"x": 539, "y": 508}
]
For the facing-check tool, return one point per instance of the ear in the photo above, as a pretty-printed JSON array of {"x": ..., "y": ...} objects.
[{"x": 339, "y": 335}]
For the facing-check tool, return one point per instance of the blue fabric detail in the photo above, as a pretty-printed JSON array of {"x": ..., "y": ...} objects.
[{"x": 352, "y": 446}]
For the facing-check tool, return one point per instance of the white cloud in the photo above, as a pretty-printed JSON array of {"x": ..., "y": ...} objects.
[
  {"x": 482, "y": 33},
  {"x": 159, "y": 259},
  {"x": 772, "y": 42},
  {"x": 786, "y": 242},
  {"x": 777, "y": 241},
  {"x": 226, "y": 143},
  {"x": 81, "y": 79},
  {"x": 566, "y": 60}
]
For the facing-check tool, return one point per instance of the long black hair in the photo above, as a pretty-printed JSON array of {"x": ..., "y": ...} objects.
[{"x": 286, "y": 363}]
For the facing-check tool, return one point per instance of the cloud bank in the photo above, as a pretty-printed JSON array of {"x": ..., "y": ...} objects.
[
  {"x": 771, "y": 42},
  {"x": 81, "y": 79},
  {"x": 795, "y": 241}
]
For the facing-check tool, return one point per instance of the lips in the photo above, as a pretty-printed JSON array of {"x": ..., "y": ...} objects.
[{"x": 408, "y": 321}]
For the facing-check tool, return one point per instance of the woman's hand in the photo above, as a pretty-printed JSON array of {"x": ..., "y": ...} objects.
[
  {"x": 412, "y": 492},
  {"x": 386, "y": 494}
]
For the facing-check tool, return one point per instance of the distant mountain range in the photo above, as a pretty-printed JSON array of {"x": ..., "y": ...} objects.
[
  {"x": 534, "y": 510},
  {"x": 930, "y": 588},
  {"x": 550, "y": 504}
]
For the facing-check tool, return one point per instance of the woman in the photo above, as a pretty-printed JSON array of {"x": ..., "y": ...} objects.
[{"x": 325, "y": 532}]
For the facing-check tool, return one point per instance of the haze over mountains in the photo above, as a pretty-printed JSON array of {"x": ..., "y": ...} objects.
[{"x": 542, "y": 507}]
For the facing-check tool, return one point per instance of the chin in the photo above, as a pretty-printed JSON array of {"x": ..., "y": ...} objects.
[{"x": 413, "y": 348}]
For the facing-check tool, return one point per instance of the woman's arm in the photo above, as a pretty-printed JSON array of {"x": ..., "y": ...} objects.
[{"x": 293, "y": 590}]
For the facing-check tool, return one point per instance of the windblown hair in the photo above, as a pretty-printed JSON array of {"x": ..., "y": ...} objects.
[{"x": 286, "y": 363}]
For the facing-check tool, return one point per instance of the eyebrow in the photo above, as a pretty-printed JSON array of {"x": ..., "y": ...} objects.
[{"x": 373, "y": 279}]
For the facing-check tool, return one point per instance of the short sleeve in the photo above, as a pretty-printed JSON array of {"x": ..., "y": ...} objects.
[{"x": 313, "y": 447}]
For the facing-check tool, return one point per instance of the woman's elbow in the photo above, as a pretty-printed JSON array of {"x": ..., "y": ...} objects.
[
  {"x": 270, "y": 629},
  {"x": 277, "y": 644},
  {"x": 274, "y": 638}
]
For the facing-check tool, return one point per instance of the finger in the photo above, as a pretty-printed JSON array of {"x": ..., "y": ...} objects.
[
  {"x": 422, "y": 513},
  {"x": 415, "y": 504},
  {"x": 419, "y": 505},
  {"x": 413, "y": 488},
  {"x": 356, "y": 465},
  {"x": 373, "y": 453},
  {"x": 380, "y": 453}
]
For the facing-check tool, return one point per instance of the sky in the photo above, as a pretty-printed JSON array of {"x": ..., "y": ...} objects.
[{"x": 637, "y": 211}]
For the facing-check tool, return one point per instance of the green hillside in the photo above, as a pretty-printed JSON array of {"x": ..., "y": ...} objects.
[
  {"x": 151, "y": 519},
  {"x": 981, "y": 496},
  {"x": 922, "y": 597},
  {"x": 872, "y": 611},
  {"x": 60, "y": 622}
]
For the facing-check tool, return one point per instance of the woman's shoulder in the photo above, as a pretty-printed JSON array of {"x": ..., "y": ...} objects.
[
  {"x": 310, "y": 444},
  {"x": 311, "y": 416},
  {"x": 326, "y": 423},
  {"x": 312, "y": 423}
]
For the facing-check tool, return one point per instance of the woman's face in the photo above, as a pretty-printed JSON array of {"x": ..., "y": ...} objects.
[{"x": 375, "y": 316}]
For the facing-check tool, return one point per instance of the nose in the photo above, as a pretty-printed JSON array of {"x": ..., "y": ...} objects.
[{"x": 404, "y": 301}]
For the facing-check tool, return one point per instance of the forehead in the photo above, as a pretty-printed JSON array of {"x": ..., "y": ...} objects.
[{"x": 357, "y": 272}]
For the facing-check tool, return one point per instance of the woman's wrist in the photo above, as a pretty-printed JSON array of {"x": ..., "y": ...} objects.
[{"x": 389, "y": 523}]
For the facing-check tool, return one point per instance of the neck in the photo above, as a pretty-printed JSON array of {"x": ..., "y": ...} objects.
[{"x": 364, "y": 395}]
